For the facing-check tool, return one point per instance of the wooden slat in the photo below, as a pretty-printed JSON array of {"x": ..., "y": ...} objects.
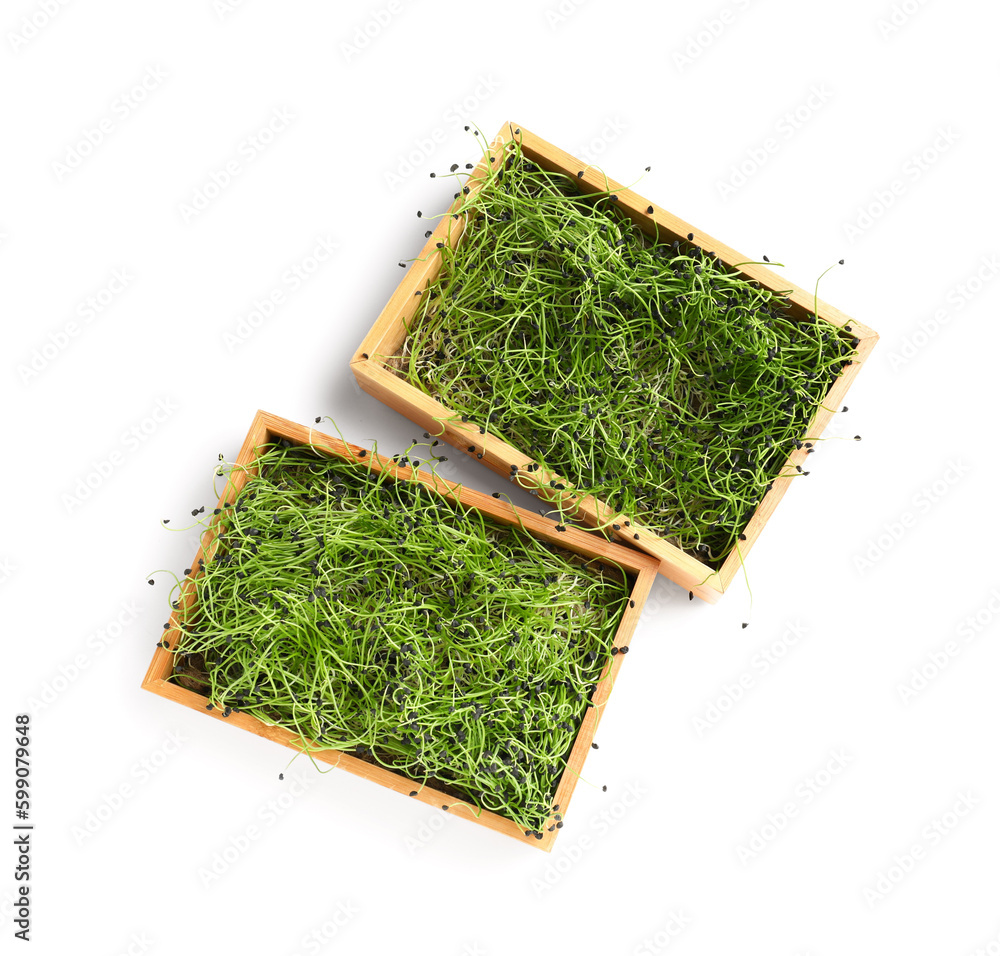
[
  {"x": 498, "y": 455},
  {"x": 386, "y": 337},
  {"x": 666, "y": 225},
  {"x": 162, "y": 664}
]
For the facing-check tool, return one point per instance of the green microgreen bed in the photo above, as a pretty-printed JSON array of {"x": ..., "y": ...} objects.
[
  {"x": 370, "y": 615},
  {"x": 643, "y": 371}
]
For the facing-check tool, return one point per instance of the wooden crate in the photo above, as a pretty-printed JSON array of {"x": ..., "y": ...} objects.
[
  {"x": 387, "y": 336},
  {"x": 640, "y": 568}
]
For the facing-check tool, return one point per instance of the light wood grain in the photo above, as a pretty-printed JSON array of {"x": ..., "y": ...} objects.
[{"x": 267, "y": 428}]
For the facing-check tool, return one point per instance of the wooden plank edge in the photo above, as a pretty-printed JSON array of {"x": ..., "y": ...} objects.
[
  {"x": 677, "y": 565},
  {"x": 552, "y": 157}
]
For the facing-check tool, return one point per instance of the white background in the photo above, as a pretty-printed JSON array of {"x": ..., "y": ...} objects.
[{"x": 876, "y": 559}]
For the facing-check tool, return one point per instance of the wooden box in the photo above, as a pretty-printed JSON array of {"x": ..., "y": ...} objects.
[
  {"x": 371, "y": 363},
  {"x": 640, "y": 569}
]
